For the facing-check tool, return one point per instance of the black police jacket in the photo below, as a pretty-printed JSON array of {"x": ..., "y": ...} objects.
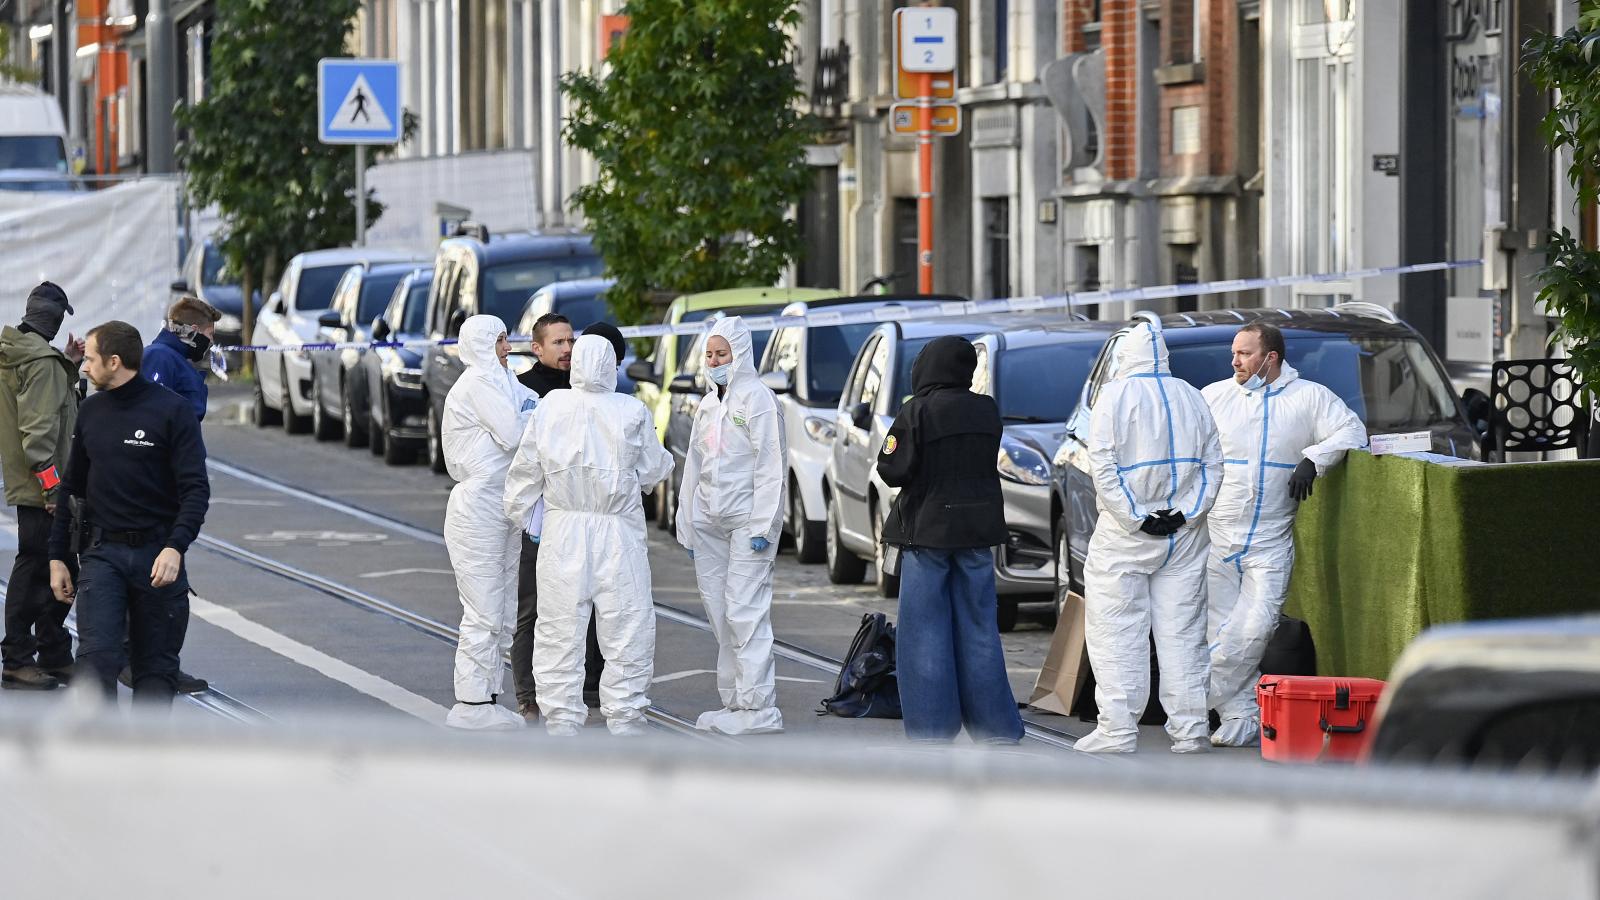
[{"x": 941, "y": 453}]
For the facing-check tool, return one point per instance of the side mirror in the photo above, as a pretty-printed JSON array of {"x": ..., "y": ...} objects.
[
  {"x": 642, "y": 372},
  {"x": 380, "y": 329},
  {"x": 860, "y": 415},
  {"x": 1480, "y": 410},
  {"x": 275, "y": 302},
  {"x": 457, "y": 319},
  {"x": 330, "y": 319},
  {"x": 181, "y": 286},
  {"x": 778, "y": 382},
  {"x": 683, "y": 384}
]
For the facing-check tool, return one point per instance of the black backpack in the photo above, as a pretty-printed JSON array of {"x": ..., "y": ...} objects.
[{"x": 867, "y": 687}]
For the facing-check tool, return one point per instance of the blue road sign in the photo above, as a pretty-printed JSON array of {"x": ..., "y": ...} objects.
[{"x": 358, "y": 101}]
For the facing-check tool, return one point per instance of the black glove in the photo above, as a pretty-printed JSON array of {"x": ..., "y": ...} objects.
[
  {"x": 1300, "y": 481},
  {"x": 1173, "y": 519},
  {"x": 1154, "y": 526}
]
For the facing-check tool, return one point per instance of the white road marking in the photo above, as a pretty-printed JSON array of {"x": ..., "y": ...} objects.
[
  {"x": 677, "y": 676},
  {"x": 390, "y": 572},
  {"x": 798, "y": 680},
  {"x": 240, "y": 501},
  {"x": 314, "y": 659}
]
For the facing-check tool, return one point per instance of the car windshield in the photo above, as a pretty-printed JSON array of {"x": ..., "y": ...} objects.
[
  {"x": 506, "y": 287},
  {"x": 414, "y": 319},
  {"x": 830, "y": 351},
  {"x": 376, "y": 292},
  {"x": 1041, "y": 384},
  {"x": 1389, "y": 381},
  {"x": 214, "y": 267},
  {"x": 33, "y": 151},
  {"x": 583, "y": 311},
  {"x": 317, "y": 286}
]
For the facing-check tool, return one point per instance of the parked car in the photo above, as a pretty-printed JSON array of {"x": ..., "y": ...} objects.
[
  {"x": 1377, "y": 364},
  {"x": 1514, "y": 696},
  {"x": 33, "y": 141},
  {"x": 289, "y": 318},
  {"x": 583, "y": 302},
  {"x": 806, "y": 368},
  {"x": 205, "y": 274},
  {"x": 339, "y": 398},
  {"x": 652, "y": 376},
  {"x": 1032, "y": 365},
  {"x": 397, "y": 411},
  {"x": 471, "y": 277}
]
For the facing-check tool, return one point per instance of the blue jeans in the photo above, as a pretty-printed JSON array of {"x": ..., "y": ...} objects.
[
  {"x": 116, "y": 602},
  {"x": 951, "y": 668}
]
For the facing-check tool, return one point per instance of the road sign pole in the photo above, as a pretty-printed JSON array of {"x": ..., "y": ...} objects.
[
  {"x": 925, "y": 183},
  {"x": 361, "y": 195}
]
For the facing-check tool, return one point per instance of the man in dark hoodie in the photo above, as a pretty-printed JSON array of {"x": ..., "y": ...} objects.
[
  {"x": 940, "y": 452},
  {"x": 38, "y": 407},
  {"x": 552, "y": 371}
]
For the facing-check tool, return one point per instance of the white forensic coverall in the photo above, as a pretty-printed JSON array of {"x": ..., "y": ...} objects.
[
  {"x": 734, "y": 489},
  {"x": 483, "y": 421},
  {"x": 1265, "y": 433},
  {"x": 589, "y": 453},
  {"x": 1152, "y": 446}
]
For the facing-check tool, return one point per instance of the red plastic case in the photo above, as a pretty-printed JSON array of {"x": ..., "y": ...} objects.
[{"x": 1312, "y": 718}]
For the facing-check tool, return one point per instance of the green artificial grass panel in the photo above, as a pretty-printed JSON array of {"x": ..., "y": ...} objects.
[{"x": 1388, "y": 546}]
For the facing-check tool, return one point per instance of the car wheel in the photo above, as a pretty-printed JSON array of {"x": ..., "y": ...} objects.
[
  {"x": 292, "y": 424},
  {"x": 378, "y": 435},
  {"x": 264, "y": 415},
  {"x": 844, "y": 567},
  {"x": 809, "y": 537},
  {"x": 323, "y": 426},
  {"x": 1006, "y": 614},
  {"x": 435, "y": 442},
  {"x": 355, "y": 425},
  {"x": 888, "y": 585}
]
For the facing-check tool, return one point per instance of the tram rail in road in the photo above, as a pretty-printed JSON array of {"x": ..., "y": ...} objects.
[{"x": 1042, "y": 734}]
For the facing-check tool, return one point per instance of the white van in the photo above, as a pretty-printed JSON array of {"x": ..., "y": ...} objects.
[{"x": 33, "y": 140}]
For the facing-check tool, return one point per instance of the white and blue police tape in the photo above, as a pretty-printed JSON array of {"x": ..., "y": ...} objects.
[{"x": 947, "y": 309}]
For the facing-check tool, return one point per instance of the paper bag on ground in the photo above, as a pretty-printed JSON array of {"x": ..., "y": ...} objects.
[{"x": 1066, "y": 666}]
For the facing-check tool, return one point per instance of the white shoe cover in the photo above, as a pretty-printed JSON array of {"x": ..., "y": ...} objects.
[
  {"x": 1098, "y": 741},
  {"x": 483, "y": 717},
  {"x": 741, "y": 721},
  {"x": 1191, "y": 745},
  {"x": 635, "y": 727},
  {"x": 1237, "y": 733},
  {"x": 561, "y": 729}
]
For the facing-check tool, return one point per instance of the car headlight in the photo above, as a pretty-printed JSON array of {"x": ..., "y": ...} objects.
[
  {"x": 819, "y": 430},
  {"x": 229, "y": 324},
  {"x": 408, "y": 378},
  {"x": 1022, "y": 462}
]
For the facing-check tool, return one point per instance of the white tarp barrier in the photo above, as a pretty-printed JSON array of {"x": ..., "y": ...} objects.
[
  {"x": 499, "y": 188},
  {"x": 114, "y": 251},
  {"x": 368, "y": 809}
]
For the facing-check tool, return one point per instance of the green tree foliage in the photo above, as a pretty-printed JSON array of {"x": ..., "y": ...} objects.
[
  {"x": 1569, "y": 65},
  {"x": 10, "y": 70},
  {"x": 252, "y": 145},
  {"x": 700, "y": 148}
]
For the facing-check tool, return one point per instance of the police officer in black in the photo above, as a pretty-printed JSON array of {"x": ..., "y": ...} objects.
[{"x": 139, "y": 466}]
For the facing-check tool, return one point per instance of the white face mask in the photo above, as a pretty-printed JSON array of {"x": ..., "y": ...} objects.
[
  {"x": 1256, "y": 382},
  {"x": 719, "y": 374}
]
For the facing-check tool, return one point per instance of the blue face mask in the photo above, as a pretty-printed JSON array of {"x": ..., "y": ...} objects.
[
  {"x": 1256, "y": 382},
  {"x": 719, "y": 374}
]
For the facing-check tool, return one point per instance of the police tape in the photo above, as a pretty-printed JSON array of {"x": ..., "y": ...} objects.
[{"x": 899, "y": 312}]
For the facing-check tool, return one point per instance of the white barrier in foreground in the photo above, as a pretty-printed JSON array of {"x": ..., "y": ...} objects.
[{"x": 141, "y": 809}]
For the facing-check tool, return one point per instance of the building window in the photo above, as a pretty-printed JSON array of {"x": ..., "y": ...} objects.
[
  {"x": 1184, "y": 271},
  {"x": 1183, "y": 33},
  {"x": 1185, "y": 126},
  {"x": 903, "y": 254},
  {"x": 1091, "y": 27},
  {"x": 1087, "y": 259},
  {"x": 1002, "y": 39},
  {"x": 997, "y": 246}
]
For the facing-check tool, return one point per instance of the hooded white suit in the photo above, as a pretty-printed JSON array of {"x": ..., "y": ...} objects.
[
  {"x": 483, "y": 420},
  {"x": 590, "y": 452},
  {"x": 1265, "y": 433},
  {"x": 735, "y": 487},
  {"x": 1152, "y": 446}
]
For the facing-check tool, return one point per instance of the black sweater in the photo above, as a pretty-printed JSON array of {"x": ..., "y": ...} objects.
[
  {"x": 138, "y": 457},
  {"x": 542, "y": 379}
]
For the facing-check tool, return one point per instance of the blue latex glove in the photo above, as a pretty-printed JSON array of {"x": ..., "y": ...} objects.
[
  {"x": 759, "y": 544},
  {"x": 691, "y": 554},
  {"x": 535, "y": 538}
]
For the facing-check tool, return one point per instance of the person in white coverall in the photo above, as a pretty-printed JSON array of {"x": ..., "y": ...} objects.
[
  {"x": 1279, "y": 432},
  {"x": 589, "y": 452},
  {"x": 1156, "y": 463},
  {"x": 729, "y": 521},
  {"x": 483, "y": 421}
]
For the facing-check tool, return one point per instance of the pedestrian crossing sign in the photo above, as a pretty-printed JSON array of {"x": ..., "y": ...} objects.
[{"x": 358, "y": 101}]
